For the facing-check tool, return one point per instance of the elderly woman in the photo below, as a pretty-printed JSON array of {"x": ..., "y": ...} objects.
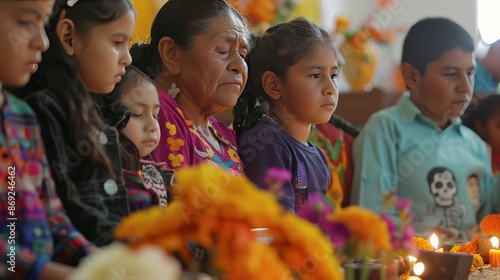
[{"x": 197, "y": 57}]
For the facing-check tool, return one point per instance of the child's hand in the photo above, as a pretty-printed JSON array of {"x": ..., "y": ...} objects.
[{"x": 403, "y": 264}]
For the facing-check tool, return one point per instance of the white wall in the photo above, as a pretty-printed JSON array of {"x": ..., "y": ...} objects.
[{"x": 405, "y": 14}]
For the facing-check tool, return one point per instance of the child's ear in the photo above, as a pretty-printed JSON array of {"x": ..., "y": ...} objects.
[
  {"x": 411, "y": 75},
  {"x": 272, "y": 85},
  {"x": 65, "y": 30},
  {"x": 169, "y": 54}
]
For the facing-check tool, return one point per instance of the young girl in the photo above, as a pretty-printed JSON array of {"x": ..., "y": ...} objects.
[
  {"x": 292, "y": 85},
  {"x": 34, "y": 229},
  {"x": 145, "y": 180},
  {"x": 88, "y": 52},
  {"x": 485, "y": 121}
]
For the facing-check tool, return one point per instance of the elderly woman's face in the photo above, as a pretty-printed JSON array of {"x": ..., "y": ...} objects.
[{"x": 213, "y": 72}]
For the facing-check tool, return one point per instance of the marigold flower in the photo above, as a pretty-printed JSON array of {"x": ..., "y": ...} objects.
[
  {"x": 422, "y": 243},
  {"x": 490, "y": 225},
  {"x": 470, "y": 248}
]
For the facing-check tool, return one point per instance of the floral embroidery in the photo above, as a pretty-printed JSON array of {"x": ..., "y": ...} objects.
[
  {"x": 188, "y": 122},
  {"x": 176, "y": 160},
  {"x": 233, "y": 155},
  {"x": 172, "y": 129},
  {"x": 175, "y": 144}
]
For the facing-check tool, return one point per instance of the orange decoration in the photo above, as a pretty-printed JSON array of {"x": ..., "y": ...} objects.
[{"x": 490, "y": 225}]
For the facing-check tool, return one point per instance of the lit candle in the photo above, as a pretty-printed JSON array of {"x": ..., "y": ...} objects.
[
  {"x": 494, "y": 253},
  {"x": 418, "y": 269},
  {"x": 435, "y": 243},
  {"x": 412, "y": 259}
]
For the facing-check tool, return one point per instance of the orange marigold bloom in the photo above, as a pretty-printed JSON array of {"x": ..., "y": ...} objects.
[
  {"x": 422, "y": 243},
  {"x": 490, "y": 225},
  {"x": 342, "y": 23},
  {"x": 261, "y": 11},
  {"x": 470, "y": 248},
  {"x": 367, "y": 227}
]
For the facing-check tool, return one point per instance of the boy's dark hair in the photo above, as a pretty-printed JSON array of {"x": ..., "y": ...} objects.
[
  {"x": 281, "y": 47},
  {"x": 129, "y": 152},
  {"x": 59, "y": 72},
  {"x": 486, "y": 108},
  {"x": 428, "y": 39},
  {"x": 182, "y": 21}
]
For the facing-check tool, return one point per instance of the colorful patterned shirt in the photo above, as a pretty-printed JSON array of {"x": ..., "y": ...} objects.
[
  {"x": 148, "y": 186},
  {"x": 181, "y": 145},
  {"x": 337, "y": 146},
  {"x": 34, "y": 228}
]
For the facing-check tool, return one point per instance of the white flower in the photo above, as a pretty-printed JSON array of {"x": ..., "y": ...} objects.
[{"x": 119, "y": 262}]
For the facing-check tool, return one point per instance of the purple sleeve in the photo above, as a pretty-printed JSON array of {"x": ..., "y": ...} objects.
[{"x": 258, "y": 155}]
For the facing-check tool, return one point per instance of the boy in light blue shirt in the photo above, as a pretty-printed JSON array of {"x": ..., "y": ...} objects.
[{"x": 420, "y": 147}]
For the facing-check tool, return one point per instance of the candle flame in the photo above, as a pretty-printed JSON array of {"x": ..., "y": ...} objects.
[
  {"x": 418, "y": 268},
  {"x": 412, "y": 259},
  {"x": 494, "y": 242},
  {"x": 434, "y": 241}
]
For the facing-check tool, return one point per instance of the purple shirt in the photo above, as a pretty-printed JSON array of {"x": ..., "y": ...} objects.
[
  {"x": 267, "y": 145},
  {"x": 181, "y": 145}
]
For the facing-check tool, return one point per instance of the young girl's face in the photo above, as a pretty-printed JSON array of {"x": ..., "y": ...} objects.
[
  {"x": 102, "y": 53},
  {"x": 142, "y": 128},
  {"x": 311, "y": 87},
  {"x": 23, "y": 38}
]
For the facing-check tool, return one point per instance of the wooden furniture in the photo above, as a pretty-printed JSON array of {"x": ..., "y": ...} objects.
[{"x": 357, "y": 107}]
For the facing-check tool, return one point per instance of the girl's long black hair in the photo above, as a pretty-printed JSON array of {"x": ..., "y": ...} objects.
[{"x": 58, "y": 72}]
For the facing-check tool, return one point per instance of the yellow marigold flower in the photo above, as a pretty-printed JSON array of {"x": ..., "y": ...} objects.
[
  {"x": 490, "y": 225},
  {"x": 217, "y": 210},
  {"x": 367, "y": 228},
  {"x": 175, "y": 144},
  {"x": 176, "y": 160},
  {"x": 407, "y": 274},
  {"x": 455, "y": 248},
  {"x": 172, "y": 129},
  {"x": 477, "y": 262},
  {"x": 233, "y": 155},
  {"x": 422, "y": 243}
]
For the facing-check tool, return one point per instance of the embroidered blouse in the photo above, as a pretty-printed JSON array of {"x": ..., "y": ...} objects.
[
  {"x": 181, "y": 145},
  {"x": 34, "y": 227},
  {"x": 148, "y": 187}
]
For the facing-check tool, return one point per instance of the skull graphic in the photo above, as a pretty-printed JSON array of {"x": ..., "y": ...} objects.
[{"x": 444, "y": 188}]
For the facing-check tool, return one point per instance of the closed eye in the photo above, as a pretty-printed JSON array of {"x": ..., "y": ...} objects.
[{"x": 136, "y": 115}]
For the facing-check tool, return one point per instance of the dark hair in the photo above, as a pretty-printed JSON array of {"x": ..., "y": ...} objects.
[
  {"x": 280, "y": 47},
  {"x": 438, "y": 170},
  {"x": 59, "y": 72},
  {"x": 428, "y": 39},
  {"x": 486, "y": 108},
  {"x": 182, "y": 21},
  {"x": 129, "y": 152}
]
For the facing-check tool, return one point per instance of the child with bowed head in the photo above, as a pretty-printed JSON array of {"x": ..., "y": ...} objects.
[
  {"x": 196, "y": 56},
  {"x": 88, "y": 53},
  {"x": 145, "y": 180},
  {"x": 420, "y": 147},
  {"x": 485, "y": 121},
  {"x": 292, "y": 85},
  {"x": 36, "y": 236}
]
